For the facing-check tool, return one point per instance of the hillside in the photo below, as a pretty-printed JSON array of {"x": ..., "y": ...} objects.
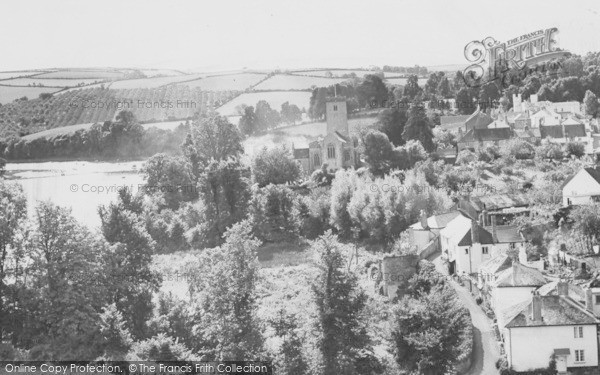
[{"x": 37, "y": 100}]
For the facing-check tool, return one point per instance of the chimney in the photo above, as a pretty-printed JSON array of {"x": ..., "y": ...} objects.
[
  {"x": 562, "y": 288},
  {"x": 589, "y": 300},
  {"x": 482, "y": 217},
  {"x": 494, "y": 231},
  {"x": 536, "y": 307},
  {"x": 515, "y": 271},
  {"x": 424, "y": 220},
  {"x": 474, "y": 232}
]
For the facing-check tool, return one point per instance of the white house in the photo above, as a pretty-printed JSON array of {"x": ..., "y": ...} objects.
[
  {"x": 582, "y": 188},
  {"x": 554, "y": 325},
  {"x": 466, "y": 244},
  {"x": 512, "y": 286},
  {"x": 421, "y": 234}
]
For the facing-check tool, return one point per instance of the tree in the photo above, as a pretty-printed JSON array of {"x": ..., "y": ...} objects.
[
  {"x": 430, "y": 330},
  {"x": 248, "y": 122},
  {"x": 443, "y": 88},
  {"x": 412, "y": 89},
  {"x": 275, "y": 166},
  {"x": 290, "y": 360},
  {"x": 213, "y": 138},
  {"x": 2, "y": 166},
  {"x": 587, "y": 222},
  {"x": 271, "y": 213},
  {"x": 591, "y": 104},
  {"x": 378, "y": 152},
  {"x": 171, "y": 178},
  {"x": 343, "y": 341},
  {"x": 432, "y": 83},
  {"x": 391, "y": 122},
  {"x": 290, "y": 113},
  {"x": 225, "y": 190},
  {"x": 266, "y": 117},
  {"x": 68, "y": 273},
  {"x": 226, "y": 298},
  {"x": 465, "y": 101},
  {"x": 116, "y": 339},
  {"x": 371, "y": 89},
  {"x": 128, "y": 264},
  {"x": 575, "y": 149},
  {"x": 418, "y": 128},
  {"x": 12, "y": 214}
]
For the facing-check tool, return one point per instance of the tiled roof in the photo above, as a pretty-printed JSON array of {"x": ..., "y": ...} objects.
[
  {"x": 485, "y": 237},
  {"x": 551, "y": 131},
  {"x": 595, "y": 173},
  {"x": 572, "y": 131},
  {"x": 478, "y": 120},
  {"x": 496, "y": 264},
  {"x": 493, "y": 134},
  {"x": 556, "y": 310},
  {"x": 556, "y": 131},
  {"x": 520, "y": 275},
  {"x": 498, "y": 201}
]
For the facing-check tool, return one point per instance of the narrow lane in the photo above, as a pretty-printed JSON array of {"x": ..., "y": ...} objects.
[{"x": 485, "y": 348}]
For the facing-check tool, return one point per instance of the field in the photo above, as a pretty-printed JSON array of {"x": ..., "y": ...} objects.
[
  {"x": 8, "y": 75},
  {"x": 342, "y": 72},
  {"x": 160, "y": 72},
  {"x": 57, "y": 131},
  {"x": 293, "y": 82},
  {"x": 9, "y": 93},
  {"x": 149, "y": 83},
  {"x": 233, "y": 82},
  {"x": 55, "y": 82},
  {"x": 274, "y": 98},
  {"x": 83, "y": 74},
  {"x": 401, "y": 81}
]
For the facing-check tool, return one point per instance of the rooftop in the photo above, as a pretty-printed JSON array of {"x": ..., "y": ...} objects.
[
  {"x": 496, "y": 264},
  {"x": 438, "y": 221},
  {"x": 492, "y": 134},
  {"x": 556, "y": 310},
  {"x": 519, "y": 275}
]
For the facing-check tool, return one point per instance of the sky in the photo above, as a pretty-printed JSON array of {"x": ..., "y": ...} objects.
[{"x": 223, "y": 35}]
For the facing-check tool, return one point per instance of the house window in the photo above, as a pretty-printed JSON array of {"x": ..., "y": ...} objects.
[
  {"x": 598, "y": 300},
  {"x": 330, "y": 151},
  {"x": 467, "y": 251},
  {"x": 512, "y": 245},
  {"x": 485, "y": 250},
  {"x": 579, "y": 356},
  {"x": 335, "y": 107},
  {"x": 578, "y": 331}
]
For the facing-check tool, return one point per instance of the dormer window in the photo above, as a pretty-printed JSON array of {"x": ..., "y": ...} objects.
[{"x": 335, "y": 107}]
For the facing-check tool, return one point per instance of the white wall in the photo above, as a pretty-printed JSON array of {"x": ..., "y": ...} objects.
[
  {"x": 419, "y": 237},
  {"x": 581, "y": 187},
  {"x": 531, "y": 347}
]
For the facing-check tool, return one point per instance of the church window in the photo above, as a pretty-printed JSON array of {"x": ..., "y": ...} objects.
[
  {"x": 330, "y": 151},
  {"x": 317, "y": 160},
  {"x": 346, "y": 155}
]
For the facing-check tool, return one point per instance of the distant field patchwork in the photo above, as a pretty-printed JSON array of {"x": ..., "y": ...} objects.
[
  {"x": 35, "y": 81},
  {"x": 83, "y": 74},
  {"x": 10, "y": 93},
  {"x": 274, "y": 98},
  {"x": 149, "y": 83},
  {"x": 229, "y": 82},
  {"x": 8, "y": 75},
  {"x": 293, "y": 82},
  {"x": 342, "y": 72}
]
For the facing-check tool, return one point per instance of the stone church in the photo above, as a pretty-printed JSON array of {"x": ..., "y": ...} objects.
[{"x": 337, "y": 149}]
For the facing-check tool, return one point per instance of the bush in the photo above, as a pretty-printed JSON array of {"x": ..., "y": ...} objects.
[
  {"x": 575, "y": 149},
  {"x": 465, "y": 157}
]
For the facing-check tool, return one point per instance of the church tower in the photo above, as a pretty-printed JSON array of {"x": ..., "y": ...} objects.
[{"x": 337, "y": 116}]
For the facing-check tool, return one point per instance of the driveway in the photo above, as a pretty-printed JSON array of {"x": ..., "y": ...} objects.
[{"x": 485, "y": 348}]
